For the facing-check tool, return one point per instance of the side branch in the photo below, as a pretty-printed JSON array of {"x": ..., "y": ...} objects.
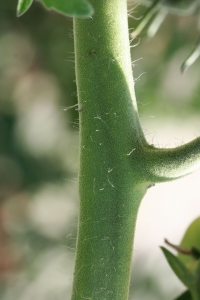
[{"x": 167, "y": 164}]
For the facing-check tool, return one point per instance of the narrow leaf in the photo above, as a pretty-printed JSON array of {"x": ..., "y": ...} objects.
[
  {"x": 73, "y": 8},
  {"x": 146, "y": 18},
  {"x": 197, "y": 276},
  {"x": 179, "y": 268},
  {"x": 185, "y": 296},
  {"x": 192, "y": 57},
  {"x": 156, "y": 22},
  {"x": 23, "y": 6}
]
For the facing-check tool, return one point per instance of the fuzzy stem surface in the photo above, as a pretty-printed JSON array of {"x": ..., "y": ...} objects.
[
  {"x": 110, "y": 187},
  {"x": 117, "y": 165}
]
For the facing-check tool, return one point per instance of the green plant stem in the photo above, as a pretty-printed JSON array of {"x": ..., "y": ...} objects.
[
  {"x": 117, "y": 165},
  {"x": 110, "y": 188}
]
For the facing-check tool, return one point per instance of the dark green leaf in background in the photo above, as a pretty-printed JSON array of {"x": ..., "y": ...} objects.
[
  {"x": 179, "y": 268},
  {"x": 185, "y": 296},
  {"x": 23, "y": 6},
  {"x": 190, "y": 239},
  {"x": 74, "y": 8},
  {"x": 187, "y": 264}
]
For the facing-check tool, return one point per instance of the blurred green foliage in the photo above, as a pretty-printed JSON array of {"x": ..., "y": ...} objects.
[
  {"x": 39, "y": 140},
  {"x": 186, "y": 265}
]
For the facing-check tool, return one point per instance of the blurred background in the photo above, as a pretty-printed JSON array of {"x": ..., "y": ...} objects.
[{"x": 39, "y": 152}]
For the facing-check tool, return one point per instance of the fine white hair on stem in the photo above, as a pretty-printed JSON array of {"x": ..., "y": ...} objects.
[
  {"x": 131, "y": 152},
  {"x": 130, "y": 11},
  {"x": 136, "y": 79},
  {"x": 69, "y": 107},
  {"x": 132, "y": 46},
  {"x": 133, "y": 63},
  {"x": 135, "y": 18}
]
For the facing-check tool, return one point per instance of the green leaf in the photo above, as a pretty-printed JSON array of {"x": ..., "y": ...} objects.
[
  {"x": 23, "y": 6},
  {"x": 187, "y": 267},
  {"x": 192, "y": 57},
  {"x": 73, "y": 8},
  {"x": 190, "y": 239},
  {"x": 179, "y": 269},
  {"x": 146, "y": 18},
  {"x": 185, "y": 296},
  {"x": 197, "y": 277},
  {"x": 156, "y": 22}
]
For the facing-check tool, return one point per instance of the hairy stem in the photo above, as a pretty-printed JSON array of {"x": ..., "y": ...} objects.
[
  {"x": 110, "y": 188},
  {"x": 168, "y": 164},
  {"x": 117, "y": 165}
]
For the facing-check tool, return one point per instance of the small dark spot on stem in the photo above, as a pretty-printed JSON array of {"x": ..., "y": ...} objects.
[
  {"x": 151, "y": 185},
  {"x": 92, "y": 52}
]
